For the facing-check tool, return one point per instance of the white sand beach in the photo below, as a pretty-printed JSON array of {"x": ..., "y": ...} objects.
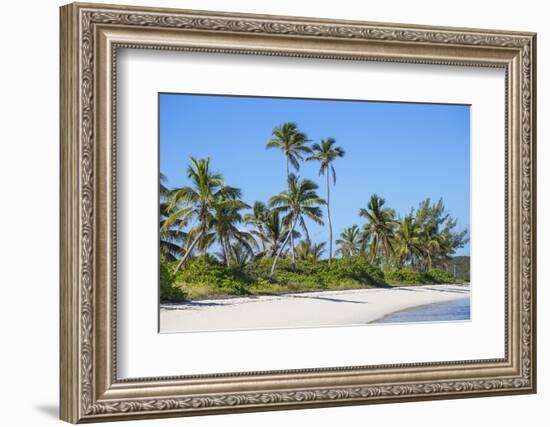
[{"x": 328, "y": 308}]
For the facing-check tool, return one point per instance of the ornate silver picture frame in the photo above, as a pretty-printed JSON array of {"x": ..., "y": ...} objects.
[{"x": 91, "y": 34}]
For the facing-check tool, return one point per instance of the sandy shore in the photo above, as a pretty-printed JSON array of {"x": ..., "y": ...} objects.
[{"x": 328, "y": 308}]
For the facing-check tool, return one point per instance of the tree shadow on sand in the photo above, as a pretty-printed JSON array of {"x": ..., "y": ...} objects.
[
  {"x": 329, "y": 299},
  {"x": 424, "y": 288},
  {"x": 176, "y": 306}
]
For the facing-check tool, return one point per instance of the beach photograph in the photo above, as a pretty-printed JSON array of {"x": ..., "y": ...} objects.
[{"x": 292, "y": 212}]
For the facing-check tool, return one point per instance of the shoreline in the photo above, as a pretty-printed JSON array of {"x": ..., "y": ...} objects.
[
  {"x": 381, "y": 320},
  {"x": 303, "y": 309}
]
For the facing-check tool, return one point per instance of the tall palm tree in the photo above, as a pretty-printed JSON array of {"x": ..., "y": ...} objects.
[
  {"x": 300, "y": 201},
  {"x": 307, "y": 250},
  {"x": 199, "y": 201},
  {"x": 378, "y": 231},
  {"x": 292, "y": 142},
  {"x": 350, "y": 242},
  {"x": 408, "y": 246},
  {"x": 326, "y": 153}
]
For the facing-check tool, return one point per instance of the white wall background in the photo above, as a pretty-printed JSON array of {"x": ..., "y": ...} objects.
[{"x": 29, "y": 169}]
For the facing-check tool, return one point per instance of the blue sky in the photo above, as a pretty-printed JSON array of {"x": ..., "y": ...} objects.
[{"x": 404, "y": 152}]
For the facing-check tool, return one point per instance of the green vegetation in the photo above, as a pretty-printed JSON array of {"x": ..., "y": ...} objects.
[
  {"x": 207, "y": 277},
  {"x": 408, "y": 276},
  {"x": 297, "y": 203},
  {"x": 169, "y": 288},
  {"x": 213, "y": 244}
]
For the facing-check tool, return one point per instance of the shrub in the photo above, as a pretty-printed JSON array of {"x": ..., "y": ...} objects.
[
  {"x": 406, "y": 275},
  {"x": 169, "y": 291},
  {"x": 206, "y": 270},
  {"x": 355, "y": 269},
  {"x": 340, "y": 273},
  {"x": 262, "y": 266},
  {"x": 206, "y": 277},
  {"x": 298, "y": 281},
  {"x": 441, "y": 276}
]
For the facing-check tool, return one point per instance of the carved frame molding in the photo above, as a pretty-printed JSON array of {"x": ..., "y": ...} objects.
[{"x": 90, "y": 37}]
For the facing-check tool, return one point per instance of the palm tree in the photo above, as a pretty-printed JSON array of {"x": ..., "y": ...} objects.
[
  {"x": 408, "y": 244},
  {"x": 172, "y": 236},
  {"x": 257, "y": 219},
  {"x": 307, "y": 250},
  {"x": 199, "y": 202},
  {"x": 378, "y": 231},
  {"x": 268, "y": 228},
  {"x": 431, "y": 245},
  {"x": 449, "y": 241},
  {"x": 439, "y": 239},
  {"x": 326, "y": 153},
  {"x": 300, "y": 201},
  {"x": 226, "y": 232},
  {"x": 292, "y": 142},
  {"x": 241, "y": 254},
  {"x": 350, "y": 242}
]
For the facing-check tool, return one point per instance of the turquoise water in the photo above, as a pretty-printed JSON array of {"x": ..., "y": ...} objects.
[{"x": 444, "y": 311}]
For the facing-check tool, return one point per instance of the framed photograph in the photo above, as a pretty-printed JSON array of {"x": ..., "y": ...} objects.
[{"x": 265, "y": 213}]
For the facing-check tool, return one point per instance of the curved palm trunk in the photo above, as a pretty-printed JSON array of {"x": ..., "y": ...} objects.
[
  {"x": 388, "y": 250},
  {"x": 293, "y": 250},
  {"x": 374, "y": 249},
  {"x": 280, "y": 251},
  {"x": 329, "y": 220},
  {"x": 226, "y": 253},
  {"x": 182, "y": 260}
]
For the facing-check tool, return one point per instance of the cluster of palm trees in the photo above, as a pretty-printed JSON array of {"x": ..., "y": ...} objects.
[
  {"x": 423, "y": 238},
  {"x": 208, "y": 213}
]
